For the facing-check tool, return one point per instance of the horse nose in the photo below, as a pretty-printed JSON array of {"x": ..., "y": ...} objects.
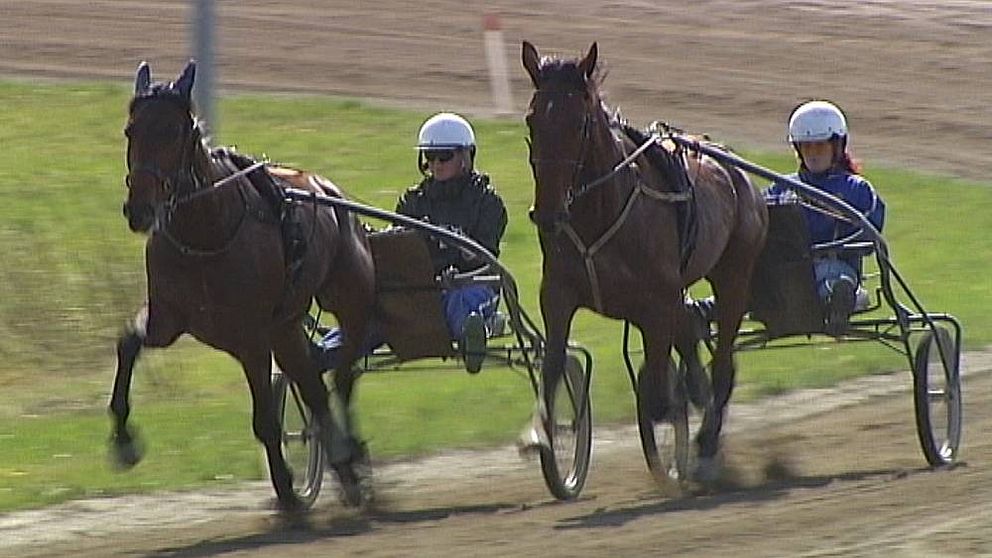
[
  {"x": 139, "y": 218},
  {"x": 124, "y": 209},
  {"x": 532, "y": 215}
]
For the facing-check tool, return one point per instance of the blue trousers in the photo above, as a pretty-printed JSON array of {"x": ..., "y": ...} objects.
[
  {"x": 828, "y": 271},
  {"x": 458, "y": 304}
]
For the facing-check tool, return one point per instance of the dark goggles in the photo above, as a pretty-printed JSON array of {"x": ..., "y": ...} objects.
[{"x": 439, "y": 155}]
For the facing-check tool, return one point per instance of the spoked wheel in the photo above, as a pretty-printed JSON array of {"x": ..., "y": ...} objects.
[
  {"x": 665, "y": 440},
  {"x": 565, "y": 466},
  {"x": 937, "y": 396},
  {"x": 300, "y": 440}
]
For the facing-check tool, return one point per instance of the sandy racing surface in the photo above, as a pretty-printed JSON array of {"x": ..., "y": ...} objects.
[
  {"x": 812, "y": 473},
  {"x": 914, "y": 76},
  {"x": 812, "y": 477}
]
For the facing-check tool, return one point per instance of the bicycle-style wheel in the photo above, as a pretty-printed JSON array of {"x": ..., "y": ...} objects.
[
  {"x": 937, "y": 396},
  {"x": 566, "y": 464},
  {"x": 664, "y": 440},
  {"x": 301, "y": 446}
]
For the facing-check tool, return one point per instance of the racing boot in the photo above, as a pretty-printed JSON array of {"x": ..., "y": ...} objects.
[
  {"x": 840, "y": 306},
  {"x": 473, "y": 342}
]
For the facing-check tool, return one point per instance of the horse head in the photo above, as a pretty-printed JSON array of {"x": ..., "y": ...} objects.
[
  {"x": 559, "y": 119},
  {"x": 162, "y": 142}
]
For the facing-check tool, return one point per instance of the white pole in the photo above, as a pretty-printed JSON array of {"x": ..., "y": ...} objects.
[
  {"x": 203, "y": 51},
  {"x": 499, "y": 78}
]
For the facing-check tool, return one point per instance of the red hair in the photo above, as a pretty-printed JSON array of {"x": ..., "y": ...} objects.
[{"x": 846, "y": 160}]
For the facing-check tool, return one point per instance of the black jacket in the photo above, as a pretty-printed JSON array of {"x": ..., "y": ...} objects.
[{"x": 467, "y": 204}]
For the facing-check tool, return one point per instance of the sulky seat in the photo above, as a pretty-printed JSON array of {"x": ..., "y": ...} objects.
[{"x": 408, "y": 308}]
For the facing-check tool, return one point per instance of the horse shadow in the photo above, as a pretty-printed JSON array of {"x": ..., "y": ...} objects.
[
  {"x": 770, "y": 490},
  {"x": 309, "y": 527}
]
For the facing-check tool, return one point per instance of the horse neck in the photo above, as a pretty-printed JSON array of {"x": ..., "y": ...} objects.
[
  {"x": 599, "y": 208},
  {"x": 210, "y": 219}
]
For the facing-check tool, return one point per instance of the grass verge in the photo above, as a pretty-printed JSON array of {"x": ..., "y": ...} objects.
[{"x": 72, "y": 274}]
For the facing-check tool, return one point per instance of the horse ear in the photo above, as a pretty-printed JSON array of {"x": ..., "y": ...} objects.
[
  {"x": 185, "y": 82},
  {"x": 143, "y": 78},
  {"x": 588, "y": 64},
  {"x": 531, "y": 60}
]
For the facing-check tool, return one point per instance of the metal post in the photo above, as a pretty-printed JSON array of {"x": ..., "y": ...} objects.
[{"x": 203, "y": 50}]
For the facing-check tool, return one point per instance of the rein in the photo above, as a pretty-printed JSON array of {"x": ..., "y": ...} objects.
[
  {"x": 574, "y": 194},
  {"x": 199, "y": 192}
]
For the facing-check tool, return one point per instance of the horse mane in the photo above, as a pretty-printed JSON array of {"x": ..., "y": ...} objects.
[{"x": 565, "y": 73}]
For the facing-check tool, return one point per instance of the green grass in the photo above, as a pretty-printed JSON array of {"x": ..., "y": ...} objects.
[{"x": 73, "y": 274}]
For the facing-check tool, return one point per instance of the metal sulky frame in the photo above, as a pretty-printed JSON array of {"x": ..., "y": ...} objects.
[
  {"x": 786, "y": 307},
  {"x": 519, "y": 346}
]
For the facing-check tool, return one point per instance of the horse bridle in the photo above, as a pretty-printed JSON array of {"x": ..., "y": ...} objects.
[
  {"x": 571, "y": 193},
  {"x": 172, "y": 183}
]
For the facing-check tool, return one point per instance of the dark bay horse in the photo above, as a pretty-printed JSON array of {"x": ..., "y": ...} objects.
[
  {"x": 609, "y": 229},
  {"x": 217, "y": 269}
]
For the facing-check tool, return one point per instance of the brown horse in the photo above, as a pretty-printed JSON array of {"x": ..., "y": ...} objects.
[
  {"x": 608, "y": 217},
  {"x": 216, "y": 270}
]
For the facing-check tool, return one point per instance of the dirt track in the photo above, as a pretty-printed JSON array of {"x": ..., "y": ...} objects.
[
  {"x": 916, "y": 80},
  {"x": 915, "y": 76},
  {"x": 822, "y": 472}
]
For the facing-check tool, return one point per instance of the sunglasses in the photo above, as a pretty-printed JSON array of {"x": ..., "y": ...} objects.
[{"x": 442, "y": 156}]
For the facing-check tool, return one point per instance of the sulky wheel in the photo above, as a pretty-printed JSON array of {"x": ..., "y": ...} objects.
[
  {"x": 664, "y": 440},
  {"x": 937, "y": 396},
  {"x": 300, "y": 440},
  {"x": 565, "y": 465}
]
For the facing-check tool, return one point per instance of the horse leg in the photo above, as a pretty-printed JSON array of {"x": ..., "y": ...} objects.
[
  {"x": 352, "y": 301},
  {"x": 687, "y": 344},
  {"x": 292, "y": 355},
  {"x": 557, "y": 311},
  {"x": 657, "y": 332},
  {"x": 257, "y": 366},
  {"x": 126, "y": 446},
  {"x": 732, "y": 296}
]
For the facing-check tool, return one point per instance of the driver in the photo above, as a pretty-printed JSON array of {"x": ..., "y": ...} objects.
[
  {"x": 818, "y": 134},
  {"x": 454, "y": 195}
]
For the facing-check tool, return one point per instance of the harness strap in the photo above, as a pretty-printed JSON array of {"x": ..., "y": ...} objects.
[
  {"x": 585, "y": 188},
  {"x": 588, "y": 253},
  {"x": 237, "y": 175},
  {"x": 187, "y": 250}
]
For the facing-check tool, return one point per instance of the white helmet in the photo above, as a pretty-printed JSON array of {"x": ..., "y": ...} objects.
[
  {"x": 816, "y": 121},
  {"x": 445, "y": 130}
]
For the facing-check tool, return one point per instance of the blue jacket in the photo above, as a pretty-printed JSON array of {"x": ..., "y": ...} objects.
[{"x": 851, "y": 188}]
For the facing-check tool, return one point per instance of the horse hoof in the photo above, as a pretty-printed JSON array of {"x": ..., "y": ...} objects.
[
  {"x": 125, "y": 454},
  {"x": 288, "y": 504},
  {"x": 355, "y": 477},
  {"x": 707, "y": 470},
  {"x": 355, "y": 489},
  {"x": 352, "y": 496}
]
